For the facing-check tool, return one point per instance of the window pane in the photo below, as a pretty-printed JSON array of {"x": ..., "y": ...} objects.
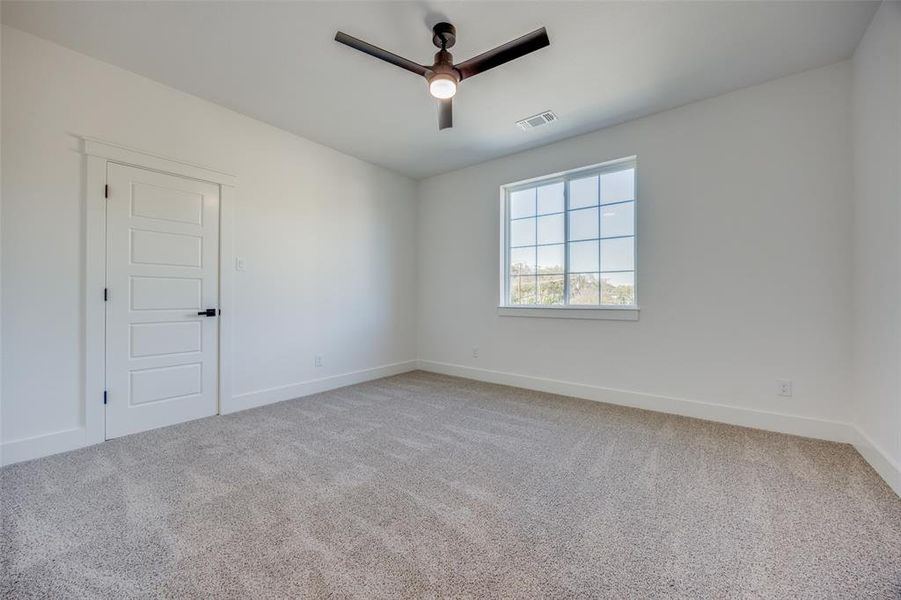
[
  {"x": 618, "y": 219},
  {"x": 550, "y": 289},
  {"x": 513, "y": 290},
  {"x": 618, "y": 288},
  {"x": 522, "y": 290},
  {"x": 550, "y": 229},
  {"x": 618, "y": 186},
  {"x": 583, "y": 224},
  {"x": 618, "y": 254},
  {"x": 522, "y": 203},
  {"x": 583, "y": 257},
  {"x": 583, "y": 192},
  {"x": 550, "y": 259},
  {"x": 584, "y": 288},
  {"x": 550, "y": 198},
  {"x": 522, "y": 232},
  {"x": 522, "y": 261},
  {"x": 573, "y": 241}
]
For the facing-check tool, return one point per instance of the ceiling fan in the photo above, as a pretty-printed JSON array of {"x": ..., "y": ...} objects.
[{"x": 444, "y": 76}]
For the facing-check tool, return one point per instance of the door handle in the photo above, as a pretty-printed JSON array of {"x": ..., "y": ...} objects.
[{"x": 210, "y": 312}]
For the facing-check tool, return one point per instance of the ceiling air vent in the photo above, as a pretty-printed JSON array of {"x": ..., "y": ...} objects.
[{"x": 537, "y": 120}]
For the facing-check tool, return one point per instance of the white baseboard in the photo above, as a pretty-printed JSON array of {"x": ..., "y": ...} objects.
[
  {"x": 882, "y": 463},
  {"x": 833, "y": 431},
  {"x": 42, "y": 445},
  {"x": 313, "y": 386},
  {"x": 71, "y": 439}
]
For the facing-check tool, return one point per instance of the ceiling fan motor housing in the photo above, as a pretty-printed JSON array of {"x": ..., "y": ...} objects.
[{"x": 444, "y": 65}]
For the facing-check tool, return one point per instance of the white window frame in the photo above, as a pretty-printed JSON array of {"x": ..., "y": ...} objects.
[{"x": 568, "y": 311}]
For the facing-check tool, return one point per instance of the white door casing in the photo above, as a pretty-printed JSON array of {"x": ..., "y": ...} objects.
[{"x": 162, "y": 270}]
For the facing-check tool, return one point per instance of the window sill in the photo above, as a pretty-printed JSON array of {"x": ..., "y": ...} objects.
[{"x": 627, "y": 313}]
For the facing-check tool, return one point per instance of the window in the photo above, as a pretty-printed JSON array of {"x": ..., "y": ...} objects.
[{"x": 569, "y": 239}]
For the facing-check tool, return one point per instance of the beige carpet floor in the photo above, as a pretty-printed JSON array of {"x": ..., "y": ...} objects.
[{"x": 426, "y": 486}]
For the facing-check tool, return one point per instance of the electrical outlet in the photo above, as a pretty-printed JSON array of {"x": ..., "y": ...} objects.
[
  {"x": 785, "y": 387},
  {"x": 475, "y": 351},
  {"x": 317, "y": 361},
  {"x": 239, "y": 264}
]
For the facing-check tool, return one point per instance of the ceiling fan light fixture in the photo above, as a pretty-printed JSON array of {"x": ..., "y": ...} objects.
[{"x": 442, "y": 86}]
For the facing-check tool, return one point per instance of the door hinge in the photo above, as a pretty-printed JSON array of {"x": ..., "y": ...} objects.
[
  {"x": 104, "y": 396},
  {"x": 106, "y": 294},
  {"x": 106, "y": 191}
]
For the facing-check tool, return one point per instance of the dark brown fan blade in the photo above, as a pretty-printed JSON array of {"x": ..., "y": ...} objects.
[
  {"x": 377, "y": 52},
  {"x": 445, "y": 113},
  {"x": 510, "y": 51}
]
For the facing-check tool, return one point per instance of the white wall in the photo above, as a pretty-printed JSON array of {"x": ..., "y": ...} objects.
[
  {"x": 877, "y": 238},
  {"x": 745, "y": 268},
  {"x": 1, "y": 253},
  {"x": 329, "y": 240}
]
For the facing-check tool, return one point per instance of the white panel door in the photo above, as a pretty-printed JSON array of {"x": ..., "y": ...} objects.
[{"x": 162, "y": 356}]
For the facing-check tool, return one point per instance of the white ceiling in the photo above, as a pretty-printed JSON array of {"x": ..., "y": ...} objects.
[{"x": 608, "y": 62}]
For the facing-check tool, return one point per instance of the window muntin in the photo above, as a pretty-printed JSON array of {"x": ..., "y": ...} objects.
[{"x": 571, "y": 239}]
